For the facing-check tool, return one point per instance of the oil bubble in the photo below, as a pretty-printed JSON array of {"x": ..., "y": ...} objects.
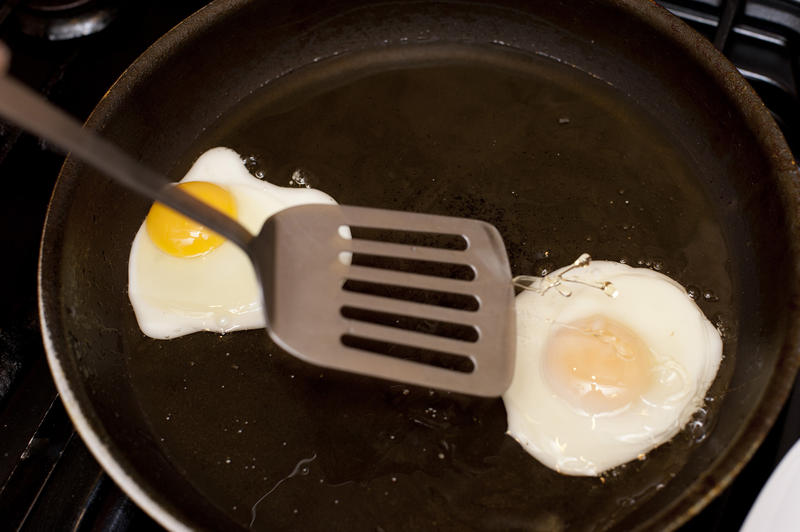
[
  {"x": 697, "y": 427},
  {"x": 720, "y": 321},
  {"x": 543, "y": 267},
  {"x": 301, "y": 178},
  {"x": 710, "y": 296},
  {"x": 693, "y": 291},
  {"x": 251, "y": 163}
]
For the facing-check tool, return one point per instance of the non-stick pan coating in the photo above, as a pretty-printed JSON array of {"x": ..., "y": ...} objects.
[{"x": 557, "y": 126}]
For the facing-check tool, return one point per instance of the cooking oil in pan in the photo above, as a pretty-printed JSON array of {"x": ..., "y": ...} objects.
[{"x": 561, "y": 163}]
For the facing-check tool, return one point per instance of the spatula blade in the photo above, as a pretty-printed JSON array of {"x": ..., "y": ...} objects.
[{"x": 408, "y": 312}]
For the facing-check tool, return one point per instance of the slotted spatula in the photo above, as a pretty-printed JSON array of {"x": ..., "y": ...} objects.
[{"x": 364, "y": 305}]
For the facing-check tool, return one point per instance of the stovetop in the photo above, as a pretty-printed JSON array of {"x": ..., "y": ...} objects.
[{"x": 72, "y": 51}]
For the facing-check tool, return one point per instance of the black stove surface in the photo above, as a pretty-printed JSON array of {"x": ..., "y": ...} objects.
[{"x": 48, "y": 479}]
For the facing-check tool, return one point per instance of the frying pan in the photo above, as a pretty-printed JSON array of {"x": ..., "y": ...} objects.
[{"x": 600, "y": 126}]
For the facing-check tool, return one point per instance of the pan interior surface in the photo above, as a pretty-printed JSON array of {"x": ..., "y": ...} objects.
[
  {"x": 561, "y": 163},
  {"x": 561, "y": 135}
]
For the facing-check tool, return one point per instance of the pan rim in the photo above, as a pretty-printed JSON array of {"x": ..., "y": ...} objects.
[
  {"x": 92, "y": 432},
  {"x": 91, "y": 438},
  {"x": 787, "y": 174},
  {"x": 713, "y": 480}
]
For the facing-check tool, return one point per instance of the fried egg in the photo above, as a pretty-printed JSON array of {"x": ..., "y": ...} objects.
[
  {"x": 183, "y": 278},
  {"x": 612, "y": 361}
]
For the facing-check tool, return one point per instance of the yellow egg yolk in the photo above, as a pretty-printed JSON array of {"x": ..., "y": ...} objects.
[
  {"x": 598, "y": 364},
  {"x": 180, "y": 236}
]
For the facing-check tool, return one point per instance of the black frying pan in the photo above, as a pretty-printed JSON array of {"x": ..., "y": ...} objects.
[{"x": 604, "y": 126}]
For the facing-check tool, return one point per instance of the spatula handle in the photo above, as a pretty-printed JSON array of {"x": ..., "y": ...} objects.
[{"x": 30, "y": 111}]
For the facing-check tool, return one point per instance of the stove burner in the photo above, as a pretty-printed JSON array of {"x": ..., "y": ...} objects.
[{"x": 60, "y": 20}]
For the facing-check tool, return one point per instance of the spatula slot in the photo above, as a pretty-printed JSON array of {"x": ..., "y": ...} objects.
[
  {"x": 457, "y": 331},
  {"x": 439, "y": 359},
  {"x": 411, "y": 238},
  {"x": 417, "y": 295},
  {"x": 447, "y": 270}
]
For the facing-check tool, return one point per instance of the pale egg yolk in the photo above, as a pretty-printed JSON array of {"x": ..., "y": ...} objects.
[
  {"x": 180, "y": 236},
  {"x": 598, "y": 364}
]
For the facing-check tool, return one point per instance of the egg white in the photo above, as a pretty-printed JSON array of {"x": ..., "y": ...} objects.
[
  {"x": 219, "y": 292},
  {"x": 686, "y": 348}
]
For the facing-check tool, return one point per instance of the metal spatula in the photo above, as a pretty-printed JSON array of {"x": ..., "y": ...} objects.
[{"x": 372, "y": 304}]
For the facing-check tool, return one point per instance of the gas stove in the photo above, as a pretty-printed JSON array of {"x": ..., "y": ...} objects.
[{"x": 72, "y": 51}]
